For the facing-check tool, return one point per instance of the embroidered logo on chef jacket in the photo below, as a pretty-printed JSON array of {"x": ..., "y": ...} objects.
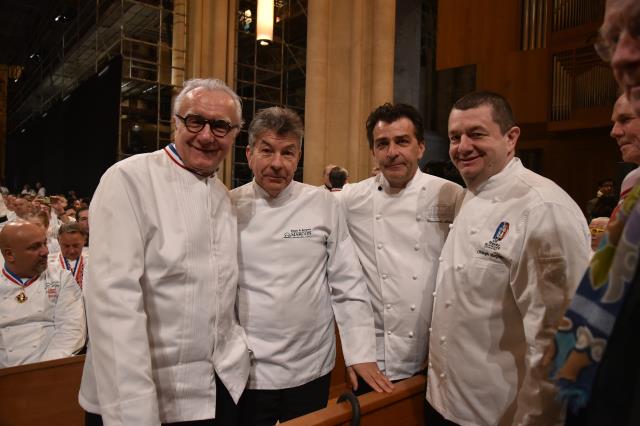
[
  {"x": 442, "y": 213},
  {"x": 298, "y": 233},
  {"x": 52, "y": 290},
  {"x": 501, "y": 232}
]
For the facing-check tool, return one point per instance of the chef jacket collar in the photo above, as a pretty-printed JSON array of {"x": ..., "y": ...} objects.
[
  {"x": 284, "y": 195},
  {"x": 381, "y": 181}
]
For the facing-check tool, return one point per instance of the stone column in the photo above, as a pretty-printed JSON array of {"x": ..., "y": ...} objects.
[
  {"x": 210, "y": 48},
  {"x": 350, "y": 57}
]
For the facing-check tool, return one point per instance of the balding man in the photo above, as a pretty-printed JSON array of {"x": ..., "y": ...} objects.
[
  {"x": 42, "y": 311},
  {"x": 165, "y": 345}
]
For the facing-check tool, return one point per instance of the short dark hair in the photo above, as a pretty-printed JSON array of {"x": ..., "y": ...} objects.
[
  {"x": 390, "y": 113},
  {"x": 500, "y": 109},
  {"x": 81, "y": 209},
  {"x": 337, "y": 177}
]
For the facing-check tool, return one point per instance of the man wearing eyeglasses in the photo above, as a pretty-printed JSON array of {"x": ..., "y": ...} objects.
[
  {"x": 620, "y": 44},
  {"x": 165, "y": 345}
]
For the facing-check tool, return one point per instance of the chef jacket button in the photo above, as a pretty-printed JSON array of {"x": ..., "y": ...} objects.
[
  {"x": 378, "y": 216},
  {"x": 415, "y": 277},
  {"x": 412, "y": 307},
  {"x": 388, "y": 306},
  {"x": 384, "y": 276},
  {"x": 379, "y": 246},
  {"x": 411, "y": 334},
  {"x": 34, "y": 346},
  {"x": 389, "y": 333},
  {"x": 430, "y": 366},
  {"x": 447, "y": 303},
  {"x": 459, "y": 266},
  {"x": 473, "y": 231},
  {"x": 495, "y": 199},
  {"x": 440, "y": 259},
  {"x": 423, "y": 188},
  {"x": 10, "y": 350},
  {"x": 442, "y": 375},
  {"x": 418, "y": 218},
  {"x": 416, "y": 247},
  {"x": 433, "y": 294},
  {"x": 429, "y": 329},
  {"x": 443, "y": 339},
  {"x": 451, "y": 226}
]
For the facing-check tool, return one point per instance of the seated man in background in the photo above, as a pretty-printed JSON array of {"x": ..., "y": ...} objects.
[
  {"x": 71, "y": 239},
  {"x": 297, "y": 270},
  {"x": 82, "y": 217},
  {"x": 42, "y": 310}
]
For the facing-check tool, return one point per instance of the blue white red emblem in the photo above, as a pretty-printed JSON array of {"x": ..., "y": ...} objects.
[{"x": 501, "y": 231}]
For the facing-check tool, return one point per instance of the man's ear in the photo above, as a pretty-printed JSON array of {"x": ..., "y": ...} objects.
[{"x": 512, "y": 136}]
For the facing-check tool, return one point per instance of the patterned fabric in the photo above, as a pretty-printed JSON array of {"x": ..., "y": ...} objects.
[{"x": 583, "y": 333}]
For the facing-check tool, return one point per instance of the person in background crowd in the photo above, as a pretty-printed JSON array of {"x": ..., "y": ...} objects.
[
  {"x": 338, "y": 178},
  {"x": 42, "y": 310},
  {"x": 605, "y": 188},
  {"x": 597, "y": 226},
  {"x": 326, "y": 183},
  {"x": 508, "y": 269},
  {"x": 71, "y": 238},
  {"x": 82, "y": 218}
]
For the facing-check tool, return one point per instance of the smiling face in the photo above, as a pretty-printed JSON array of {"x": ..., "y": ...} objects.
[
  {"x": 477, "y": 146},
  {"x": 396, "y": 151},
  {"x": 203, "y": 151},
  {"x": 273, "y": 160},
  {"x": 626, "y": 130}
]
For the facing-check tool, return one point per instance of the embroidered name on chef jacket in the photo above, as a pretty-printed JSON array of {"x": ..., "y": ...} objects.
[{"x": 298, "y": 233}]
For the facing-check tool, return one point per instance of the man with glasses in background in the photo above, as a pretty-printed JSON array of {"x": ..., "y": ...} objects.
[
  {"x": 165, "y": 345},
  {"x": 596, "y": 353}
]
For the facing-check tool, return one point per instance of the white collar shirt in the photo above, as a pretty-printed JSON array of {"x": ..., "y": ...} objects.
[
  {"x": 398, "y": 238},
  {"x": 49, "y": 324},
  {"x": 298, "y": 268},
  {"x": 160, "y": 295},
  {"x": 511, "y": 263}
]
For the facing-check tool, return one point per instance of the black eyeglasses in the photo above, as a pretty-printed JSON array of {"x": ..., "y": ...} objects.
[{"x": 195, "y": 123}]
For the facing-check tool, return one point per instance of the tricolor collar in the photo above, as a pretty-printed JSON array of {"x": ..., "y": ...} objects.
[
  {"x": 14, "y": 278},
  {"x": 172, "y": 152}
]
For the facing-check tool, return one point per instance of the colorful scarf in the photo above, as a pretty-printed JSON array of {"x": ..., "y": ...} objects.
[{"x": 583, "y": 333}]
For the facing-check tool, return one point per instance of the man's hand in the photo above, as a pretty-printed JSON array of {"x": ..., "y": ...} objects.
[{"x": 370, "y": 374}]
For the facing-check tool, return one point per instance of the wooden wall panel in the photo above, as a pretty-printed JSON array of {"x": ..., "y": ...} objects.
[
  {"x": 473, "y": 32},
  {"x": 578, "y": 160}
]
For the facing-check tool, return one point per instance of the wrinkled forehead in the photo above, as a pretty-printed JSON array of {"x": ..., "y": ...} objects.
[{"x": 619, "y": 14}]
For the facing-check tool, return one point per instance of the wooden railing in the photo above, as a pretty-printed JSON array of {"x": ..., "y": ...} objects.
[
  {"x": 403, "y": 407},
  {"x": 44, "y": 393}
]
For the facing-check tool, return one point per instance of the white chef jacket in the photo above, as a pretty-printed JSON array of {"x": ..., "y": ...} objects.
[
  {"x": 56, "y": 260},
  {"x": 298, "y": 268},
  {"x": 398, "y": 239},
  {"x": 160, "y": 295},
  {"x": 513, "y": 259},
  {"x": 50, "y": 324}
]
